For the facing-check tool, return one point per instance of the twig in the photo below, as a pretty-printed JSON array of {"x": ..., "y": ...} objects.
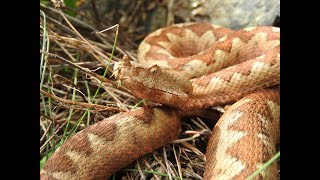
[
  {"x": 44, "y": 128},
  {"x": 87, "y": 105},
  {"x": 84, "y": 39},
  {"x": 53, "y": 135},
  {"x": 86, "y": 26},
  {"x": 74, "y": 20},
  {"x": 85, "y": 70}
]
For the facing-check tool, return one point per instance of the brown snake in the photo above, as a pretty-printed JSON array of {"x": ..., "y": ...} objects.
[{"x": 198, "y": 66}]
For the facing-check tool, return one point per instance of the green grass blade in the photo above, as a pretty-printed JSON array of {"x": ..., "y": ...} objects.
[{"x": 265, "y": 165}]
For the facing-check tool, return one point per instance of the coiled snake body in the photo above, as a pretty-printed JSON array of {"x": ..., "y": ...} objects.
[{"x": 186, "y": 67}]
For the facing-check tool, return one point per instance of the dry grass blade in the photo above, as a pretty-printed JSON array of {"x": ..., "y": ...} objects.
[
  {"x": 84, "y": 105},
  {"x": 85, "y": 70}
]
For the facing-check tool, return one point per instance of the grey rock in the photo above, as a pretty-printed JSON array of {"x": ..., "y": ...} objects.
[{"x": 237, "y": 14}]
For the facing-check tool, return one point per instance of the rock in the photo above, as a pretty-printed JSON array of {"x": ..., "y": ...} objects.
[{"x": 238, "y": 14}]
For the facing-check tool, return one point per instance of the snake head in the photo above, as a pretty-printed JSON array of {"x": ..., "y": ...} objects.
[{"x": 153, "y": 82}]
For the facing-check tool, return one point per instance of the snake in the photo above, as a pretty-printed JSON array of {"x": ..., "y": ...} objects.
[{"x": 186, "y": 67}]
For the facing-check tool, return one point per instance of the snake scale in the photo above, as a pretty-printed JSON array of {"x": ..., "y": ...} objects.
[{"x": 188, "y": 66}]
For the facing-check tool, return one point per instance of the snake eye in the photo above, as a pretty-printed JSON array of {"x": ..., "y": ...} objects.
[{"x": 154, "y": 69}]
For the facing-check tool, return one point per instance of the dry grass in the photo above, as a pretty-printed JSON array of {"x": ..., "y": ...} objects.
[{"x": 78, "y": 89}]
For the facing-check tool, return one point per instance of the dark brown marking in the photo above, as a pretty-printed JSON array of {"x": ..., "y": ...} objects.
[
  {"x": 79, "y": 143},
  {"x": 146, "y": 115},
  {"x": 104, "y": 129}
]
